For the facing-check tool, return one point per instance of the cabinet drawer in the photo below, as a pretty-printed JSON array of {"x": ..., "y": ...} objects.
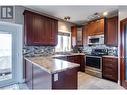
[
  {"x": 110, "y": 73},
  {"x": 111, "y": 77},
  {"x": 110, "y": 60},
  {"x": 110, "y": 65},
  {"x": 109, "y": 70}
]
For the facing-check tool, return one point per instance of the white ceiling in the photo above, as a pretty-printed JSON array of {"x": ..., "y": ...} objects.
[{"x": 77, "y": 13}]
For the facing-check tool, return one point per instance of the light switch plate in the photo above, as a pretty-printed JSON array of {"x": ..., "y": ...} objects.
[{"x": 56, "y": 77}]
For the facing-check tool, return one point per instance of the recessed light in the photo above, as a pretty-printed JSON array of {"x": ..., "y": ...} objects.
[{"x": 105, "y": 13}]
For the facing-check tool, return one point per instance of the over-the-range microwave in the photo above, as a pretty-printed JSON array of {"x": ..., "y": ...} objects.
[{"x": 96, "y": 40}]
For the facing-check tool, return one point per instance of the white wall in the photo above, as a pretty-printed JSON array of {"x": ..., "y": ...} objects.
[
  {"x": 64, "y": 26},
  {"x": 122, "y": 12}
]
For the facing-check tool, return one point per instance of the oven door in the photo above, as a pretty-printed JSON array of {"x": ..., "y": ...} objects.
[{"x": 93, "y": 61}]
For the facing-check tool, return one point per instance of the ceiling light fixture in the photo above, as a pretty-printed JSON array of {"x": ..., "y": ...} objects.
[
  {"x": 67, "y": 18},
  {"x": 105, "y": 13}
]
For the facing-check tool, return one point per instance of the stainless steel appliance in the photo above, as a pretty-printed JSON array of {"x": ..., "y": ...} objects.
[
  {"x": 97, "y": 39},
  {"x": 94, "y": 62}
]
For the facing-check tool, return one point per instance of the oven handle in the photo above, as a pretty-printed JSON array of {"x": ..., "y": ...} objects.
[{"x": 93, "y": 56}]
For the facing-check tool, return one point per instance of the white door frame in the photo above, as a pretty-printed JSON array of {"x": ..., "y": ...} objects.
[{"x": 17, "y": 63}]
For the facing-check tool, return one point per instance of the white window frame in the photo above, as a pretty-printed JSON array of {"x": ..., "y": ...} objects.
[{"x": 61, "y": 31}]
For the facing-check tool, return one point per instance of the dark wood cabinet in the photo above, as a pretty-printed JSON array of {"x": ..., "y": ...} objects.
[
  {"x": 40, "y": 30},
  {"x": 76, "y": 36},
  {"x": 111, "y": 31},
  {"x": 110, "y": 68},
  {"x": 66, "y": 79},
  {"x": 93, "y": 28},
  {"x": 39, "y": 78},
  {"x": 73, "y": 35},
  {"x": 78, "y": 59},
  {"x": 96, "y": 27},
  {"x": 101, "y": 24},
  {"x": 85, "y": 35}
]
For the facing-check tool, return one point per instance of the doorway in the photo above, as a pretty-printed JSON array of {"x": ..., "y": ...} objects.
[
  {"x": 10, "y": 53},
  {"x": 123, "y": 53}
]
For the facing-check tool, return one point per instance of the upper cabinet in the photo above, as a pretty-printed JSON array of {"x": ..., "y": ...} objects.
[
  {"x": 101, "y": 24},
  {"x": 40, "y": 30},
  {"x": 76, "y": 36},
  {"x": 73, "y": 35},
  {"x": 93, "y": 28},
  {"x": 111, "y": 32}
]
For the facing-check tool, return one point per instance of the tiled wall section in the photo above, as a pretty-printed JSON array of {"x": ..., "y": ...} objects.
[
  {"x": 111, "y": 50},
  {"x": 38, "y": 50},
  {"x": 48, "y": 50}
]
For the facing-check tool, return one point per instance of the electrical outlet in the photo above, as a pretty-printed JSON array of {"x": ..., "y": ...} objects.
[{"x": 56, "y": 77}]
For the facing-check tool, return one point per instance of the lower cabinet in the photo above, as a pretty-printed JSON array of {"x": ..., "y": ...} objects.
[
  {"x": 65, "y": 79},
  {"x": 37, "y": 78},
  {"x": 78, "y": 59},
  {"x": 110, "y": 68}
]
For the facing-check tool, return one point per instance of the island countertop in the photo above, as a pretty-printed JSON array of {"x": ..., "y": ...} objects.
[{"x": 51, "y": 65}]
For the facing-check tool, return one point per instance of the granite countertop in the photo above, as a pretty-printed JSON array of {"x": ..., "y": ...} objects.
[
  {"x": 70, "y": 54},
  {"x": 110, "y": 56},
  {"x": 51, "y": 65}
]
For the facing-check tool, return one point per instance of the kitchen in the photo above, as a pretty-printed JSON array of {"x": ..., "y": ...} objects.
[{"x": 61, "y": 47}]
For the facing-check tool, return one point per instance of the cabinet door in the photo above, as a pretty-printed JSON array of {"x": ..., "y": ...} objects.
[
  {"x": 81, "y": 59},
  {"x": 110, "y": 68},
  {"x": 79, "y": 36},
  {"x": 111, "y": 33},
  {"x": 85, "y": 35},
  {"x": 70, "y": 59},
  {"x": 51, "y": 31},
  {"x": 40, "y": 30},
  {"x": 54, "y": 32},
  {"x": 48, "y": 31},
  {"x": 90, "y": 30},
  {"x": 28, "y": 27},
  {"x": 94, "y": 28},
  {"x": 101, "y": 27},
  {"x": 66, "y": 79},
  {"x": 73, "y": 36}
]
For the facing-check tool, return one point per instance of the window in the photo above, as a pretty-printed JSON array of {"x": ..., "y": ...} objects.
[{"x": 64, "y": 42}]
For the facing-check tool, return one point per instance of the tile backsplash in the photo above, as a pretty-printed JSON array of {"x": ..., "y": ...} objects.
[
  {"x": 38, "y": 50},
  {"x": 111, "y": 50},
  {"x": 48, "y": 50}
]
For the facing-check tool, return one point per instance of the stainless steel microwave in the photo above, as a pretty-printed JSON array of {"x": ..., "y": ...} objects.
[{"x": 96, "y": 40}]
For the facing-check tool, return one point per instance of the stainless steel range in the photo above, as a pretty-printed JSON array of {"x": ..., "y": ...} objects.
[{"x": 94, "y": 62}]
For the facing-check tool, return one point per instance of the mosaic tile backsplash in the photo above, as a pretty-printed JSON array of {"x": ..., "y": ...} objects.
[
  {"x": 38, "y": 50},
  {"x": 49, "y": 50},
  {"x": 111, "y": 50}
]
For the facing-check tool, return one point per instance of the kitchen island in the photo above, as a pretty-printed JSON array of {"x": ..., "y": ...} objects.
[{"x": 49, "y": 73}]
